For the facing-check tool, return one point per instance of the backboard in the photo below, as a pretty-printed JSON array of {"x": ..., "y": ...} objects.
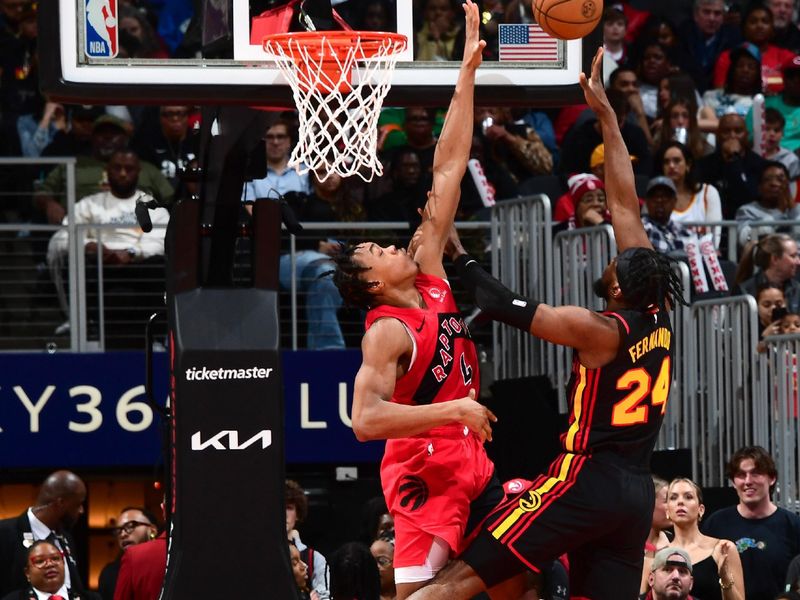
[{"x": 82, "y": 61}]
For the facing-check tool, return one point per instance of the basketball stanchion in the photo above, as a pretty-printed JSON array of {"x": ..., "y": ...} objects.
[{"x": 339, "y": 80}]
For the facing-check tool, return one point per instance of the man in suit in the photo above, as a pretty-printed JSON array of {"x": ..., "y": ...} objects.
[
  {"x": 141, "y": 571},
  {"x": 58, "y": 506}
]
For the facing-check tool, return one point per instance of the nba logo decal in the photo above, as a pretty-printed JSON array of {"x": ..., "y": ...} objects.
[{"x": 101, "y": 28}]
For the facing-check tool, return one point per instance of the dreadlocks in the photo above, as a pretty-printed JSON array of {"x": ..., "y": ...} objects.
[
  {"x": 647, "y": 278},
  {"x": 347, "y": 278}
]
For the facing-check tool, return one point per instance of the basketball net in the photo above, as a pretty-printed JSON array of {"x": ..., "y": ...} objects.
[{"x": 339, "y": 80}]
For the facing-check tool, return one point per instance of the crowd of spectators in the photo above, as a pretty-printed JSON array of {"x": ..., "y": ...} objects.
[
  {"x": 747, "y": 549},
  {"x": 681, "y": 76}
]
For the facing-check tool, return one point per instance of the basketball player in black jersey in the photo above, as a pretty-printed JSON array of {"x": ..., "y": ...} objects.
[{"x": 595, "y": 501}]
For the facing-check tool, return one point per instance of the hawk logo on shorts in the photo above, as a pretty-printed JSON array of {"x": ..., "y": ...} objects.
[
  {"x": 414, "y": 491},
  {"x": 532, "y": 502}
]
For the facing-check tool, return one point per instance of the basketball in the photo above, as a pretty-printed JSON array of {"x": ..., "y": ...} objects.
[{"x": 568, "y": 19}]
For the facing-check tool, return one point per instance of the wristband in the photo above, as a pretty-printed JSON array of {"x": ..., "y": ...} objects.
[
  {"x": 725, "y": 586},
  {"x": 493, "y": 298}
]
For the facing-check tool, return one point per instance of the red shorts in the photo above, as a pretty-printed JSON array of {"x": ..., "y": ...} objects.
[{"x": 429, "y": 481}]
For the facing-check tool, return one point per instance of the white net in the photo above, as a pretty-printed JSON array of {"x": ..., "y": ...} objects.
[{"x": 339, "y": 81}]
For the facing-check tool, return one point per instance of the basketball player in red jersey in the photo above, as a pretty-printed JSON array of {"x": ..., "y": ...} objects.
[
  {"x": 419, "y": 375},
  {"x": 595, "y": 501}
]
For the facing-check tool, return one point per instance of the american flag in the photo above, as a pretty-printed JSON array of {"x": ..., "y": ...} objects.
[{"x": 527, "y": 42}]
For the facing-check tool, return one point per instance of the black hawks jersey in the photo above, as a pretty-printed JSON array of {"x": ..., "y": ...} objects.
[{"x": 620, "y": 407}]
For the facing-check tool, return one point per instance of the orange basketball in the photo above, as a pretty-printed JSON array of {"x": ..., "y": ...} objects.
[{"x": 568, "y": 19}]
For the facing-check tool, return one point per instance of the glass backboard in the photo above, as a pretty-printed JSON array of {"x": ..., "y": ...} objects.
[{"x": 82, "y": 60}]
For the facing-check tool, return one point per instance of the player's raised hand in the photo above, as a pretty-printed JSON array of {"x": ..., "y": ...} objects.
[
  {"x": 593, "y": 89},
  {"x": 473, "y": 45},
  {"x": 476, "y": 416}
]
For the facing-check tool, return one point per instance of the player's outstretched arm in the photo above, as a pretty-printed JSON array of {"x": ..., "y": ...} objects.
[
  {"x": 375, "y": 417},
  {"x": 623, "y": 204},
  {"x": 452, "y": 152},
  {"x": 596, "y": 337}
]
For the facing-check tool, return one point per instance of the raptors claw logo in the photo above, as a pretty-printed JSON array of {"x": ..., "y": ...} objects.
[
  {"x": 588, "y": 9},
  {"x": 413, "y": 490}
]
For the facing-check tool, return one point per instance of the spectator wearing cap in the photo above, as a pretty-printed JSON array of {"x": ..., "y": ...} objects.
[
  {"x": 670, "y": 576},
  {"x": 758, "y": 29},
  {"x": 742, "y": 82},
  {"x": 588, "y": 194},
  {"x": 665, "y": 235},
  {"x": 705, "y": 37},
  {"x": 788, "y": 104},
  {"x": 774, "y": 203},
  {"x": 109, "y": 134}
]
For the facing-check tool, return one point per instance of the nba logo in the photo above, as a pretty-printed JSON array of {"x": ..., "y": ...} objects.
[{"x": 101, "y": 28}]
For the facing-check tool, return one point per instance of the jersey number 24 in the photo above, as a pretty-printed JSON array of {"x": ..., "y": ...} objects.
[{"x": 630, "y": 410}]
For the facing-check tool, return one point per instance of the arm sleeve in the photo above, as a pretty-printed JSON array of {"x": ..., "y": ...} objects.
[{"x": 493, "y": 298}]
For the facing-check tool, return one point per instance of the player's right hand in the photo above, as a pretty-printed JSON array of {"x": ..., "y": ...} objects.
[
  {"x": 593, "y": 89},
  {"x": 476, "y": 416},
  {"x": 473, "y": 45}
]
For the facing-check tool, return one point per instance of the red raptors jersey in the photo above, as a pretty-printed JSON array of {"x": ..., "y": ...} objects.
[
  {"x": 442, "y": 346},
  {"x": 620, "y": 407},
  {"x": 429, "y": 480}
]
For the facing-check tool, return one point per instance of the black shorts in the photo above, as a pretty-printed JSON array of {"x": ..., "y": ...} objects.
[{"x": 597, "y": 512}]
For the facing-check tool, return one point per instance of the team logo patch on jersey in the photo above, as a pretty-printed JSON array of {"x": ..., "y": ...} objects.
[
  {"x": 515, "y": 485},
  {"x": 437, "y": 294},
  {"x": 413, "y": 491}
]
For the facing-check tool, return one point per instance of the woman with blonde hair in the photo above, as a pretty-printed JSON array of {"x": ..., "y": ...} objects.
[{"x": 716, "y": 566}]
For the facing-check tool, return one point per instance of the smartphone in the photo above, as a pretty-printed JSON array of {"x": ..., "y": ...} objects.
[{"x": 779, "y": 313}]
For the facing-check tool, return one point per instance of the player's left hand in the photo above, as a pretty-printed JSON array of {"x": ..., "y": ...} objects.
[
  {"x": 476, "y": 416},
  {"x": 593, "y": 89}
]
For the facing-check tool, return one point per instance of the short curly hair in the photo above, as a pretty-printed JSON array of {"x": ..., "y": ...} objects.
[
  {"x": 347, "y": 277},
  {"x": 296, "y": 496}
]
